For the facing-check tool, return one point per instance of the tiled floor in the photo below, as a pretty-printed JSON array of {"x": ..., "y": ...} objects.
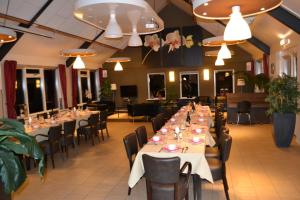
[{"x": 257, "y": 170}]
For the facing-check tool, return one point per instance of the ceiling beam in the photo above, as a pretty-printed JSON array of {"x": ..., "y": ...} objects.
[
  {"x": 84, "y": 45},
  {"x": 255, "y": 41},
  {"x": 5, "y": 48},
  {"x": 287, "y": 18},
  {"x": 46, "y": 28}
]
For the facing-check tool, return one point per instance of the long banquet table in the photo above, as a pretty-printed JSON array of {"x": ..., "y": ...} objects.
[
  {"x": 42, "y": 126},
  {"x": 188, "y": 150}
]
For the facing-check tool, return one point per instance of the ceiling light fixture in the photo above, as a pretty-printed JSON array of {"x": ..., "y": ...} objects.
[
  {"x": 118, "y": 67},
  {"x": 7, "y": 35},
  {"x": 113, "y": 29},
  {"x": 224, "y": 52},
  {"x": 219, "y": 62},
  {"x": 78, "y": 64},
  {"x": 249, "y": 8},
  {"x": 113, "y": 15},
  {"x": 218, "y": 41},
  {"x": 237, "y": 28},
  {"x": 214, "y": 53},
  {"x": 78, "y": 53},
  {"x": 118, "y": 60},
  {"x": 135, "y": 40}
]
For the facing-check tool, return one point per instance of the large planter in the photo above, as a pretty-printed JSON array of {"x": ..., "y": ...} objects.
[{"x": 284, "y": 127}]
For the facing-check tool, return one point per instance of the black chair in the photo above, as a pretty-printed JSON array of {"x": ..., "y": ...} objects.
[
  {"x": 164, "y": 178},
  {"x": 103, "y": 123},
  {"x": 131, "y": 148},
  {"x": 141, "y": 134},
  {"x": 217, "y": 166},
  {"x": 53, "y": 144},
  {"x": 89, "y": 128},
  {"x": 157, "y": 122},
  {"x": 68, "y": 136},
  {"x": 243, "y": 107}
]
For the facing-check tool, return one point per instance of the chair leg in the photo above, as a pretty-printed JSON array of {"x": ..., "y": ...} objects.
[
  {"x": 52, "y": 160},
  {"x": 102, "y": 134},
  {"x": 107, "y": 132},
  {"x": 249, "y": 117},
  {"x": 225, "y": 183},
  {"x": 129, "y": 191},
  {"x": 187, "y": 195},
  {"x": 238, "y": 119}
]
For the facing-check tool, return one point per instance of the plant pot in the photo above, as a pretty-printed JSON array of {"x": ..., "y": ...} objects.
[
  {"x": 3, "y": 195},
  {"x": 284, "y": 127}
]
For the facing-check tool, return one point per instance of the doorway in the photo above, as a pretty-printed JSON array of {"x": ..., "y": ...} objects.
[{"x": 224, "y": 82}]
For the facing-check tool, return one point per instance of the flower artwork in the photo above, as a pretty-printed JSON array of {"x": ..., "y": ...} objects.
[{"x": 170, "y": 41}]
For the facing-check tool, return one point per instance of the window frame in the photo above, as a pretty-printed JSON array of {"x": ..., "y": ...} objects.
[
  {"x": 180, "y": 84},
  {"x": 148, "y": 85}
]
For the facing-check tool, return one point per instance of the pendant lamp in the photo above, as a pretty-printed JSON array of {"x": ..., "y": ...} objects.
[{"x": 224, "y": 52}]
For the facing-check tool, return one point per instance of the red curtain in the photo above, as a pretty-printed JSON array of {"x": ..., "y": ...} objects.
[
  {"x": 266, "y": 64},
  {"x": 74, "y": 87},
  {"x": 101, "y": 79},
  {"x": 10, "y": 74},
  {"x": 63, "y": 82}
]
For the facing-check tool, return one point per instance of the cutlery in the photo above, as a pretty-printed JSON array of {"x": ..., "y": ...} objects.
[
  {"x": 160, "y": 150},
  {"x": 186, "y": 148}
]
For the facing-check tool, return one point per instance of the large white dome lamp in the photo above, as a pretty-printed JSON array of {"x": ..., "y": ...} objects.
[{"x": 237, "y": 27}]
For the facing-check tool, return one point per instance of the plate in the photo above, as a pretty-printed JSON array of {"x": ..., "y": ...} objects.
[{"x": 171, "y": 147}]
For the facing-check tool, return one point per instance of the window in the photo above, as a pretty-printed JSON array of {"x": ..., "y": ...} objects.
[
  {"x": 189, "y": 84},
  {"x": 37, "y": 89},
  {"x": 87, "y": 86},
  {"x": 288, "y": 63},
  {"x": 156, "y": 85},
  {"x": 258, "y": 67}
]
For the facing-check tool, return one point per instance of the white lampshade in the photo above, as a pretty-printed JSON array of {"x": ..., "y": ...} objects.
[
  {"x": 224, "y": 52},
  {"x": 113, "y": 29},
  {"x": 240, "y": 82},
  {"x": 135, "y": 40},
  {"x": 237, "y": 28},
  {"x": 118, "y": 67},
  {"x": 171, "y": 76},
  {"x": 78, "y": 64},
  {"x": 113, "y": 86},
  {"x": 219, "y": 62}
]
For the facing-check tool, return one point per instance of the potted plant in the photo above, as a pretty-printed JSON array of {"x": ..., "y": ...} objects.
[
  {"x": 14, "y": 142},
  {"x": 261, "y": 83},
  {"x": 105, "y": 92},
  {"x": 283, "y": 98}
]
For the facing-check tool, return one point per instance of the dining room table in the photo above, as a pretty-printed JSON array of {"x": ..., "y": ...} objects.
[
  {"x": 36, "y": 126},
  {"x": 181, "y": 138}
]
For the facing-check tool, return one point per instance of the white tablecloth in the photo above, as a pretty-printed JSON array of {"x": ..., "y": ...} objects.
[
  {"x": 194, "y": 154},
  {"x": 42, "y": 126}
]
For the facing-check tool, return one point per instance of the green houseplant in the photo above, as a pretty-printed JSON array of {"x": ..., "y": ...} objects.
[
  {"x": 261, "y": 81},
  {"x": 283, "y": 98},
  {"x": 14, "y": 142},
  {"x": 105, "y": 92}
]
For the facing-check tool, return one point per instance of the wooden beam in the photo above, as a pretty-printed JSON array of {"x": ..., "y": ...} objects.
[
  {"x": 85, "y": 45},
  {"x": 287, "y": 18},
  {"x": 5, "y": 48}
]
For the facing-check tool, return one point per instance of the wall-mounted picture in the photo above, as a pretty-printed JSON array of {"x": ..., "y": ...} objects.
[{"x": 174, "y": 47}]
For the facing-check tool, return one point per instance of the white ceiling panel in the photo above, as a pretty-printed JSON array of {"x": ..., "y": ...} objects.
[
  {"x": 24, "y": 9},
  {"x": 293, "y": 6}
]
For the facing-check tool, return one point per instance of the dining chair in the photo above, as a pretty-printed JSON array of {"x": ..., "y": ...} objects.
[
  {"x": 131, "y": 148},
  {"x": 243, "y": 108},
  {"x": 103, "y": 123},
  {"x": 88, "y": 128},
  {"x": 157, "y": 122},
  {"x": 217, "y": 165},
  {"x": 165, "y": 179},
  {"x": 68, "y": 135},
  {"x": 141, "y": 135},
  {"x": 53, "y": 143}
]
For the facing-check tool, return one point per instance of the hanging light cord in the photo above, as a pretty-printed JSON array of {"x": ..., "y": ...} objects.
[{"x": 6, "y": 12}]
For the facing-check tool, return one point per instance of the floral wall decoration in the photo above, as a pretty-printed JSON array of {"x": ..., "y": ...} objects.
[{"x": 174, "y": 47}]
